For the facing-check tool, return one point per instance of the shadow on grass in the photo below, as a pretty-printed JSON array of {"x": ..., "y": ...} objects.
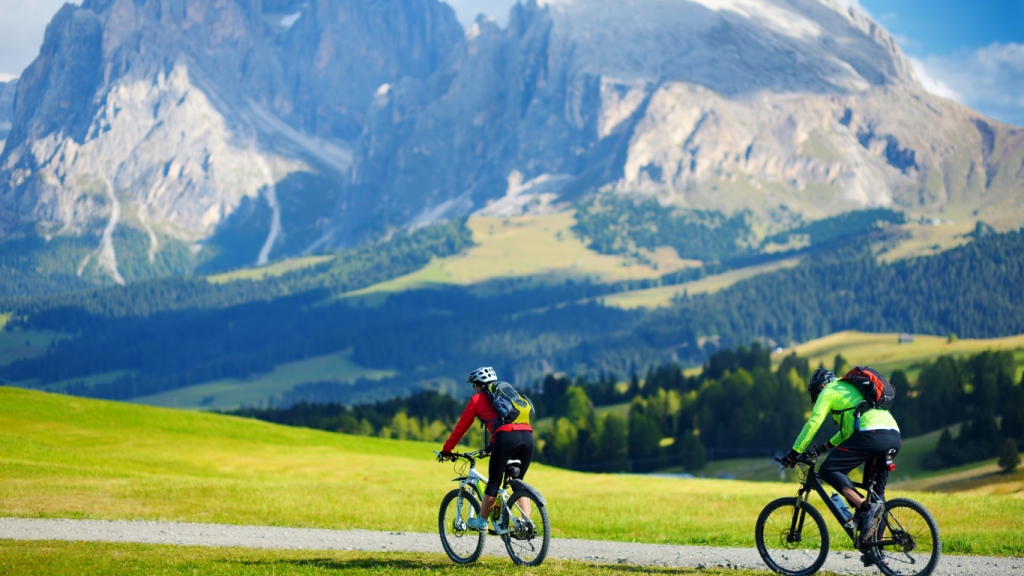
[{"x": 494, "y": 566}]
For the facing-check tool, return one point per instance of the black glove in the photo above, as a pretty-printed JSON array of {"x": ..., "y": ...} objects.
[
  {"x": 789, "y": 460},
  {"x": 444, "y": 456},
  {"x": 819, "y": 449}
]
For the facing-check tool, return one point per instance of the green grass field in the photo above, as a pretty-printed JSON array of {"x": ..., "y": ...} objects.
[
  {"x": 882, "y": 351},
  {"x": 84, "y": 558},
  {"x": 663, "y": 295},
  {"x": 91, "y": 380},
  {"x": 910, "y": 470},
  {"x": 23, "y": 343},
  {"x": 66, "y": 457},
  {"x": 230, "y": 393},
  {"x": 270, "y": 270},
  {"x": 535, "y": 246},
  {"x": 925, "y": 239}
]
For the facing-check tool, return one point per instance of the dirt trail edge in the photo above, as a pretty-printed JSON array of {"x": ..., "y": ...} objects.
[{"x": 185, "y": 534}]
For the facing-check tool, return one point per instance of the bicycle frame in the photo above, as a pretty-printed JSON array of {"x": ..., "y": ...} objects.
[
  {"x": 477, "y": 482},
  {"x": 813, "y": 483}
]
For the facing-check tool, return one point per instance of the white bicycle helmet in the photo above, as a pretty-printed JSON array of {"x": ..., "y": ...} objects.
[{"x": 484, "y": 375}]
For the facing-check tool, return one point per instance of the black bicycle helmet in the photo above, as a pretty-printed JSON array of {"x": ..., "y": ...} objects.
[{"x": 819, "y": 380}]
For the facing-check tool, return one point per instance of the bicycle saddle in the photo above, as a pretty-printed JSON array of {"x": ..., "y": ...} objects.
[{"x": 512, "y": 468}]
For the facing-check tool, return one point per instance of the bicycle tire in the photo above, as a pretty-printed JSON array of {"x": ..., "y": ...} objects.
[
  {"x": 521, "y": 544},
  {"x": 459, "y": 544},
  {"x": 779, "y": 528},
  {"x": 910, "y": 522}
]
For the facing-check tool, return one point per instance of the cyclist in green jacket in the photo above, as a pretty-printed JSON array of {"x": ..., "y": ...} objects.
[{"x": 856, "y": 443}]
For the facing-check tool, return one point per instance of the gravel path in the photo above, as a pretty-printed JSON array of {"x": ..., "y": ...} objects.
[{"x": 184, "y": 534}]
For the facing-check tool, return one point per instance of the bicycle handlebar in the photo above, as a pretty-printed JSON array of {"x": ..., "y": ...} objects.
[
  {"x": 801, "y": 459},
  {"x": 471, "y": 456}
]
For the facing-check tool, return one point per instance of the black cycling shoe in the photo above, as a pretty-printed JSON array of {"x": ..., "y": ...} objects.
[{"x": 867, "y": 560}]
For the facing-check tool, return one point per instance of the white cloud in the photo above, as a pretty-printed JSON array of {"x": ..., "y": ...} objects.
[
  {"x": 989, "y": 79},
  {"x": 937, "y": 87},
  {"x": 22, "y": 24},
  {"x": 7, "y": 77}
]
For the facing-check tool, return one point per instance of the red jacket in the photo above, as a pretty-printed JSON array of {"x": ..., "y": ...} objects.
[{"x": 479, "y": 405}]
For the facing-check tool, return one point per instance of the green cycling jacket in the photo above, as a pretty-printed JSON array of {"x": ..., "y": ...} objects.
[{"x": 840, "y": 398}]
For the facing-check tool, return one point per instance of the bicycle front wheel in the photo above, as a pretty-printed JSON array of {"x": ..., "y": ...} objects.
[
  {"x": 528, "y": 542},
  {"x": 916, "y": 546},
  {"x": 461, "y": 543},
  {"x": 791, "y": 541}
]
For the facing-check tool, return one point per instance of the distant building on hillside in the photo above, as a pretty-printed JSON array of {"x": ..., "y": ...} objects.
[{"x": 906, "y": 338}]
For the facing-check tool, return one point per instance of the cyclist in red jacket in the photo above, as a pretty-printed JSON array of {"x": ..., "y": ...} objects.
[{"x": 508, "y": 441}]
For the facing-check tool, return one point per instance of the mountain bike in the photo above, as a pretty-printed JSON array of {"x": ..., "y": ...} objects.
[
  {"x": 906, "y": 542},
  {"x": 519, "y": 517}
]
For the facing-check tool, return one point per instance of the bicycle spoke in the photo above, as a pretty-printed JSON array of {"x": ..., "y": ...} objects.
[
  {"x": 793, "y": 543},
  {"x": 525, "y": 541},
  {"x": 463, "y": 542},
  {"x": 914, "y": 547}
]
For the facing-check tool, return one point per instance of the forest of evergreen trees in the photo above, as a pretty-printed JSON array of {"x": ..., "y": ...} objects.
[
  {"x": 737, "y": 406},
  {"x": 173, "y": 333}
]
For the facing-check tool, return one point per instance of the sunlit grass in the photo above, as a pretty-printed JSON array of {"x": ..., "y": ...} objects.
[
  {"x": 925, "y": 240},
  {"x": 230, "y": 393},
  {"x": 271, "y": 270},
  {"x": 883, "y": 352},
  {"x": 663, "y": 295},
  {"x": 541, "y": 246},
  {"x": 51, "y": 557},
  {"x": 64, "y": 457}
]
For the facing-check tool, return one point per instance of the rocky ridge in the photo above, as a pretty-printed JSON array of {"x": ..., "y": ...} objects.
[
  {"x": 764, "y": 105},
  {"x": 165, "y": 117}
]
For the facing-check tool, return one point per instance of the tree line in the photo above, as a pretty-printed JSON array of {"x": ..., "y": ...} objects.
[{"x": 736, "y": 406}]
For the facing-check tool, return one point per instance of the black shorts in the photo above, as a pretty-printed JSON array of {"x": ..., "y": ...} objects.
[
  {"x": 860, "y": 448},
  {"x": 508, "y": 445}
]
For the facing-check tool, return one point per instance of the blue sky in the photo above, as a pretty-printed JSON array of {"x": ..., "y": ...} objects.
[{"x": 969, "y": 51}]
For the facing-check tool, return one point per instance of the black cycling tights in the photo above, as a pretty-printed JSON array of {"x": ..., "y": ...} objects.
[
  {"x": 509, "y": 445},
  {"x": 860, "y": 448}
]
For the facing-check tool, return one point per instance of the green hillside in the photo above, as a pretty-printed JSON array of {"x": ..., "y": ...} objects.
[
  {"x": 230, "y": 393},
  {"x": 122, "y": 461},
  {"x": 886, "y": 353}
]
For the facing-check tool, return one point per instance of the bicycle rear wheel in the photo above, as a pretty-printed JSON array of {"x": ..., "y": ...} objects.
[
  {"x": 790, "y": 541},
  {"x": 461, "y": 543},
  {"x": 917, "y": 546},
  {"x": 528, "y": 542}
]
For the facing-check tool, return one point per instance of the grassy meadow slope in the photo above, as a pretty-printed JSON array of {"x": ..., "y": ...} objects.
[
  {"x": 884, "y": 352},
  {"x": 78, "y": 458},
  {"x": 231, "y": 393},
  {"x": 542, "y": 246}
]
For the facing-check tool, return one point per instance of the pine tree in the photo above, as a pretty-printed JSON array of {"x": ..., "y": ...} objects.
[{"x": 1009, "y": 458}]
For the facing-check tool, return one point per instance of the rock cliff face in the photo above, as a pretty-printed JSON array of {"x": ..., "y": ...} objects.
[
  {"x": 165, "y": 115},
  {"x": 726, "y": 104},
  {"x": 272, "y": 127}
]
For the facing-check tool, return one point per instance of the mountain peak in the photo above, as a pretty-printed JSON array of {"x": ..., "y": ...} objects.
[{"x": 732, "y": 46}]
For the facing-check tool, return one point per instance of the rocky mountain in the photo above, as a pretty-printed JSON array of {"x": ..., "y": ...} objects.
[
  {"x": 170, "y": 118},
  {"x": 767, "y": 105},
  {"x": 253, "y": 130}
]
